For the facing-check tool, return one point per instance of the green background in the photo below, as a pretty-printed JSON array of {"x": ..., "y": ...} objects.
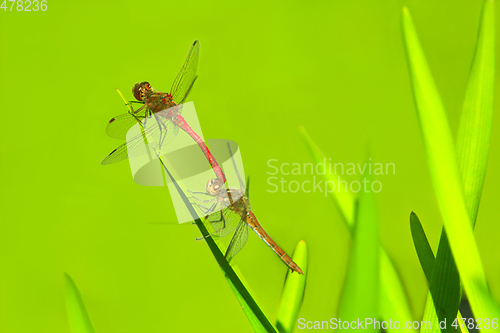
[{"x": 336, "y": 67}]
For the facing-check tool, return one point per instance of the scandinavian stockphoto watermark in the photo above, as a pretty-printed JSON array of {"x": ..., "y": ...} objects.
[
  {"x": 281, "y": 172},
  {"x": 373, "y": 323}
]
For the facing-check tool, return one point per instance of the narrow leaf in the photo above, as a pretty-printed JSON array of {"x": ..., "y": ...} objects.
[
  {"x": 427, "y": 261},
  {"x": 344, "y": 199},
  {"x": 472, "y": 150},
  {"x": 393, "y": 299},
  {"x": 393, "y": 302},
  {"x": 444, "y": 284},
  {"x": 475, "y": 124},
  {"x": 293, "y": 292},
  {"x": 430, "y": 316},
  {"x": 444, "y": 172},
  {"x": 78, "y": 318},
  {"x": 360, "y": 295},
  {"x": 422, "y": 246},
  {"x": 255, "y": 315}
]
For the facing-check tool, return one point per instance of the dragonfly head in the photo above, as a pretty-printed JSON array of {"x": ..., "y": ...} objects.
[
  {"x": 214, "y": 186},
  {"x": 141, "y": 90}
]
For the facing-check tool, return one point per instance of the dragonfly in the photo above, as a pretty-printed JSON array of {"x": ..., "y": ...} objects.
[
  {"x": 162, "y": 109},
  {"x": 226, "y": 215}
]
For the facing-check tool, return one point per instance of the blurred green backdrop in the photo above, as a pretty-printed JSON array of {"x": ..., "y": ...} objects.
[{"x": 336, "y": 67}]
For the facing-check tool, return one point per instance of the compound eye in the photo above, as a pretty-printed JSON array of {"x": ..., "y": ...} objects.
[
  {"x": 138, "y": 93},
  {"x": 145, "y": 85}
]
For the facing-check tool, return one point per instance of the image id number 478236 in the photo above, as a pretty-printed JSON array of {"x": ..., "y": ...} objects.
[{"x": 24, "y": 5}]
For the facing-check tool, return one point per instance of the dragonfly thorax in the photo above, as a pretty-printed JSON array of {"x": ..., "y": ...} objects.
[
  {"x": 233, "y": 197},
  {"x": 227, "y": 197},
  {"x": 159, "y": 101}
]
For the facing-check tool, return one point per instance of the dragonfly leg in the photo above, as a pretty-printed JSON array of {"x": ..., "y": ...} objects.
[
  {"x": 129, "y": 104},
  {"x": 193, "y": 192},
  {"x": 204, "y": 209},
  {"x": 212, "y": 207},
  {"x": 163, "y": 131},
  {"x": 224, "y": 220},
  {"x": 198, "y": 206},
  {"x": 209, "y": 200},
  {"x": 205, "y": 237},
  {"x": 219, "y": 220},
  {"x": 146, "y": 117},
  {"x": 207, "y": 210}
]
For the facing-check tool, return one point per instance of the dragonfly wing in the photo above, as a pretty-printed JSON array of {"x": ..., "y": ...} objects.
[
  {"x": 155, "y": 132},
  {"x": 238, "y": 241},
  {"x": 117, "y": 155},
  {"x": 187, "y": 76},
  {"x": 215, "y": 220},
  {"x": 133, "y": 148},
  {"x": 188, "y": 90},
  {"x": 224, "y": 222},
  {"x": 118, "y": 126},
  {"x": 175, "y": 129}
]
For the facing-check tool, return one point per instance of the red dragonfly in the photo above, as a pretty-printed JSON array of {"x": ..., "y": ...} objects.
[
  {"x": 167, "y": 122},
  {"x": 226, "y": 215}
]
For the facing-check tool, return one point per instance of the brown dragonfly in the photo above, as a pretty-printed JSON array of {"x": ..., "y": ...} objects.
[
  {"x": 159, "y": 115},
  {"x": 226, "y": 215}
]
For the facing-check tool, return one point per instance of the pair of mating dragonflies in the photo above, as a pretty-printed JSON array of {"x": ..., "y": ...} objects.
[{"x": 223, "y": 215}]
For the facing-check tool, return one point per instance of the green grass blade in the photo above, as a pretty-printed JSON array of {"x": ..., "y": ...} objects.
[
  {"x": 441, "y": 274},
  {"x": 360, "y": 294},
  {"x": 78, "y": 318},
  {"x": 444, "y": 284},
  {"x": 463, "y": 329},
  {"x": 393, "y": 302},
  {"x": 343, "y": 199},
  {"x": 393, "y": 299},
  {"x": 474, "y": 133},
  {"x": 293, "y": 292},
  {"x": 422, "y": 246},
  {"x": 472, "y": 150},
  {"x": 427, "y": 261},
  {"x": 255, "y": 315},
  {"x": 430, "y": 316},
  {"x": 257, "y": 318},
  {"x": 444, "y": 172}
]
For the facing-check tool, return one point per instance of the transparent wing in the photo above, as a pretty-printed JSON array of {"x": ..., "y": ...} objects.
[
  {"x": 187, "y": 76},
  {"x": 118, "y": 126},
  {"x": 224, "y": 222},
  {"x": 238, "y": 241},
  {"x": 162, "y": 131},
  {"x": 117, "y": 155}
]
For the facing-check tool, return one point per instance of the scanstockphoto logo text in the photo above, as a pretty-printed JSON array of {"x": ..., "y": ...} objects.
[
  {"x": 371, "y": 323},
  {"x": 326, "y": 177}
]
